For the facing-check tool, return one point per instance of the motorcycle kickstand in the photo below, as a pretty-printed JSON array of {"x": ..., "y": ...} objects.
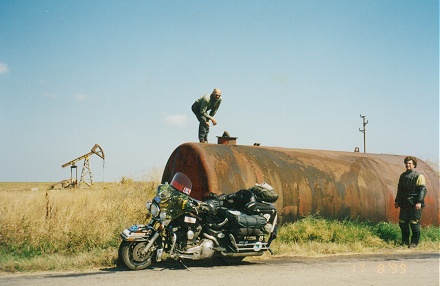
[{"x": 181, "y": 262}]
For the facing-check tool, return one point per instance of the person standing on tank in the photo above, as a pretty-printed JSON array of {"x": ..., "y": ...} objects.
[
  {"x": 208, "y": 102},
  {"x": 411, "y": 192}
]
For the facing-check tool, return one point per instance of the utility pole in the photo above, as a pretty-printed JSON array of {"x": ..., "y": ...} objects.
[{"x": 365, "y": 122}]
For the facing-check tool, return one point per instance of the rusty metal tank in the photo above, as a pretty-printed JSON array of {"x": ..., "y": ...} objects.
[{"x": 333, "y": 184}]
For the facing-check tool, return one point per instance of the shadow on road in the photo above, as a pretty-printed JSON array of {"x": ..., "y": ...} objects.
[{"x": 171, "y": 264}]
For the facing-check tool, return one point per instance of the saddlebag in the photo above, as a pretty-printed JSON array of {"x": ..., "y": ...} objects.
[{"x": 244, "y": 225}]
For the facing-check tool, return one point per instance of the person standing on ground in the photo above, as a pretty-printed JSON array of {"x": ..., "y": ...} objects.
[
  {"x": 411, "y": 192},
  {"x": 201, "y": 107}
]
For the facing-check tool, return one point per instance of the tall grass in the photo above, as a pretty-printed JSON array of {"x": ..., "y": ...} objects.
[
  {"x": 67, "y": 223},
  {"x": 79, "y": 228},
  {"x": 314, "y": 236}
]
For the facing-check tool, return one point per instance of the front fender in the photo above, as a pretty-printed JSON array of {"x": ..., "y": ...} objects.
[{"x": 136, "y": 233}]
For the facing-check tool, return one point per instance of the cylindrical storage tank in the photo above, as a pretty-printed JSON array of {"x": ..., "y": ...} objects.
[{"x": 332, "y": 184}]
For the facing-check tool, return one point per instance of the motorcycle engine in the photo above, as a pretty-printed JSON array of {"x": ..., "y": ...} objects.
[
  {"x": 202, "y": 251},
  {"x": 191, "y": 246},
  {"x": 187, "y": 236},
  {"x": 207, "y": 248}
]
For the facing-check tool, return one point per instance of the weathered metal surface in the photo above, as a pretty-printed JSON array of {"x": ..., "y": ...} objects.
[{"x": 332, "y": 184}]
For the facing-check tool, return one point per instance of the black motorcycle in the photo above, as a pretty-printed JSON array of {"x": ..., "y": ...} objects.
[{"x": 229, "y": 227}]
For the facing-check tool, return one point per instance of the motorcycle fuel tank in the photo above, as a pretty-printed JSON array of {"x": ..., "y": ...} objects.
[{"x": 332, "y": 184}]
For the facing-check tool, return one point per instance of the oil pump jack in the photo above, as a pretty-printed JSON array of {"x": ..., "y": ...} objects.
[{"x": 97, "y": 150}]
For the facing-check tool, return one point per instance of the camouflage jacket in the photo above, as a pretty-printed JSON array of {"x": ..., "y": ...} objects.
[{"x": 206, "y": 103}]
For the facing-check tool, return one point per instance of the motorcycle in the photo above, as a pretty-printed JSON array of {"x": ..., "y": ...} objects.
[{"x": 230, "y": 227}]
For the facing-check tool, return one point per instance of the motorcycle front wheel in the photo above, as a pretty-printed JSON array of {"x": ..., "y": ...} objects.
[{"x": 133, "y": 257}]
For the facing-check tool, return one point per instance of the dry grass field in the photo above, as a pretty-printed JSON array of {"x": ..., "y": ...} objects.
[{"x": 68, "y": 222}]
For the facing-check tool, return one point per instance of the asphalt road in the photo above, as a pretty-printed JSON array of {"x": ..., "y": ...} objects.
[{"x": 391, "y": 269}]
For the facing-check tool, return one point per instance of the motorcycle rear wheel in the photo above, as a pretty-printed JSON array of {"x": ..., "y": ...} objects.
[{"x": 132, "y": 256}]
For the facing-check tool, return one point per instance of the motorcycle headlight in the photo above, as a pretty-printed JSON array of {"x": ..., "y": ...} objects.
[{"x": 154, "y": 209}]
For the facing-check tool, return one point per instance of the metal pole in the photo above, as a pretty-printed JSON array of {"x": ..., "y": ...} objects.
[{"x": 365, "y": 122}]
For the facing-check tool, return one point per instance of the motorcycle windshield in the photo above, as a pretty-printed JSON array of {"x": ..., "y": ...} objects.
[
  {"x": 174, "y": 202},
  {"x": 182, "y": 183}
]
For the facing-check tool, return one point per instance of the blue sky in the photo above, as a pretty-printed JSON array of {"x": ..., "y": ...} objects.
[{"x": 295, "y": 74}]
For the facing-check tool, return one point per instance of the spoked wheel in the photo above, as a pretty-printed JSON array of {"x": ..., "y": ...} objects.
[{"x": 131, "y": 254}]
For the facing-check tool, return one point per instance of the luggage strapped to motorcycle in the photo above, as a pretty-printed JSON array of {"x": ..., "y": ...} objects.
[
  {"x": 264, "y": 193},
  {"x": 244, "y": 224}
]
